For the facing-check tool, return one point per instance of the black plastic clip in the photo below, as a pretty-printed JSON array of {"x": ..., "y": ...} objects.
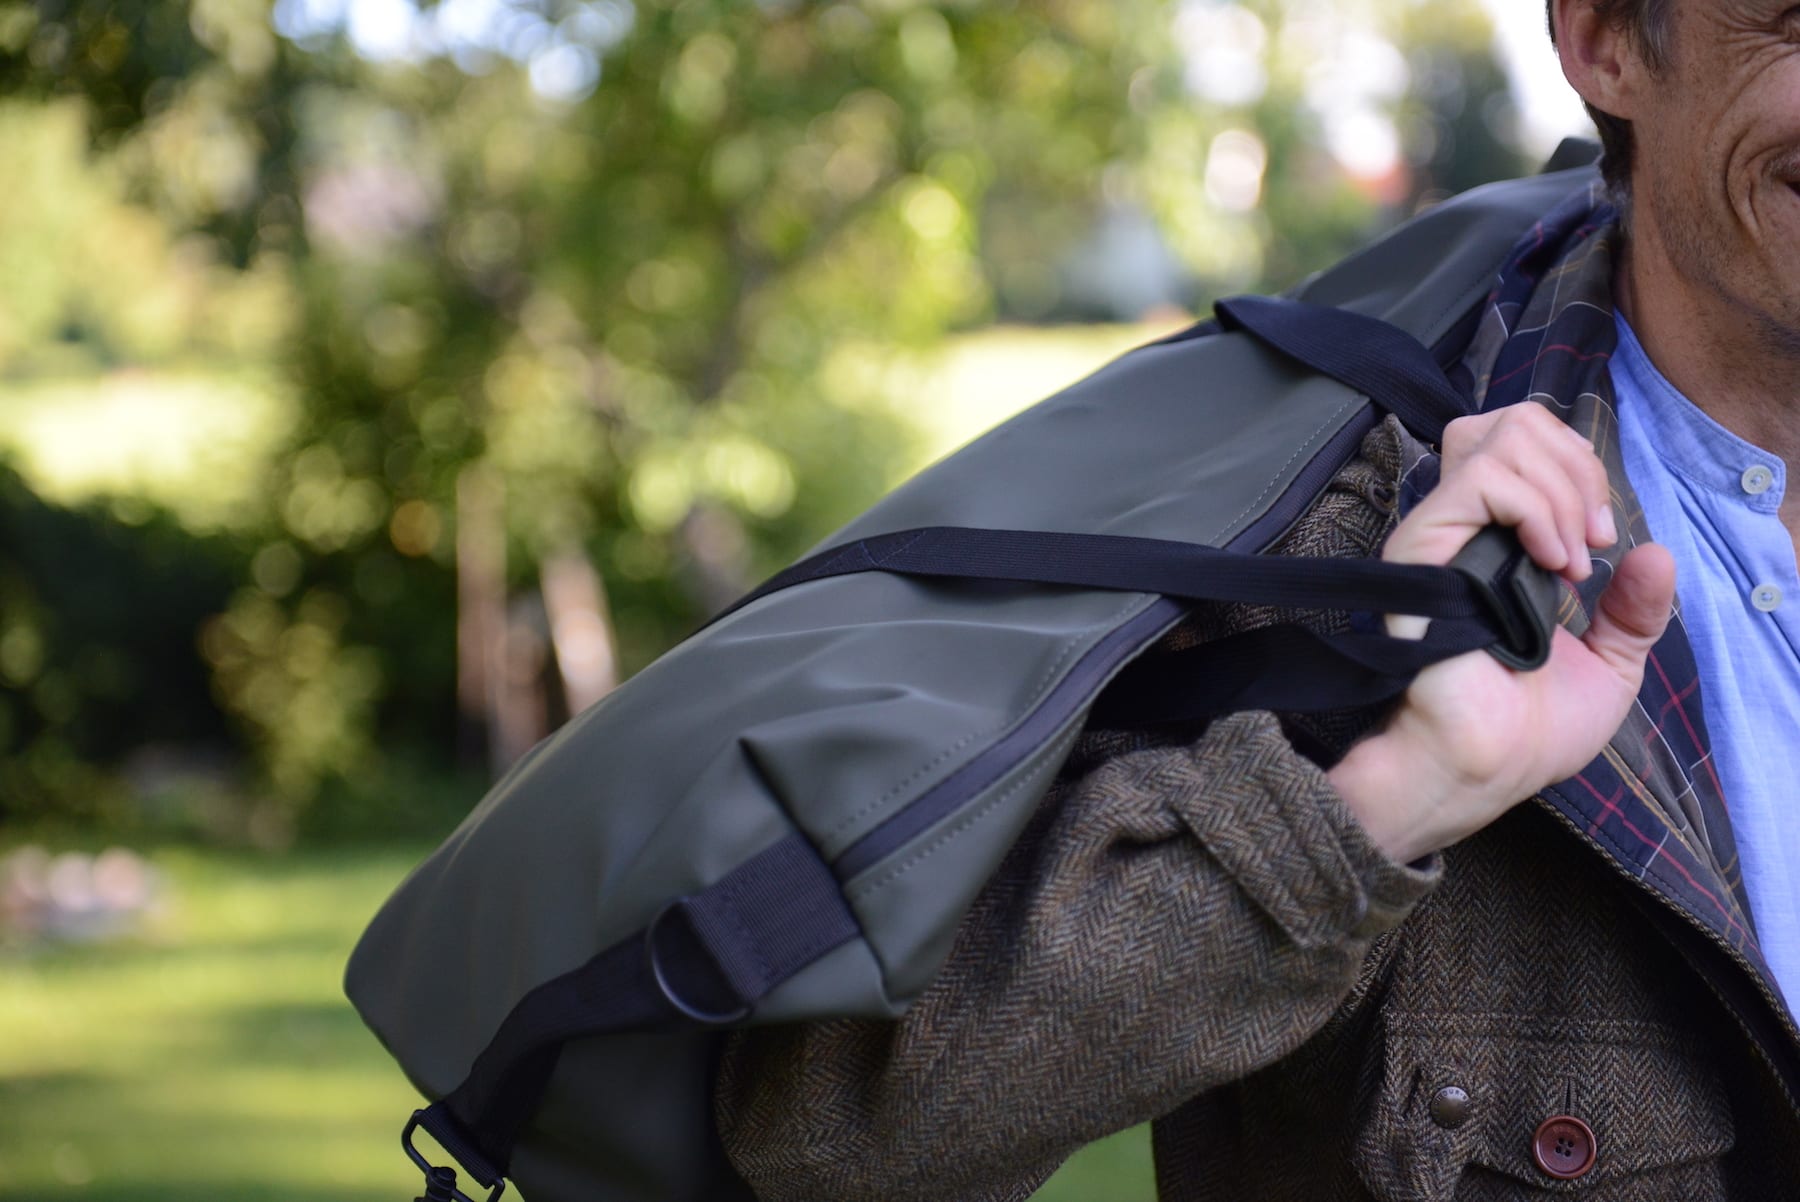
[
  {"x": 1520, "y": 596},
  {"x": 438, "y": 1180}
]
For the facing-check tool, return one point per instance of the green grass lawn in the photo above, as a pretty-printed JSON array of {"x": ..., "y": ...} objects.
[{"x": 214, "y": 1059}]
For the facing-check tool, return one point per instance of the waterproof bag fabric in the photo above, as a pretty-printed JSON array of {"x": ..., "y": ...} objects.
[{"x": 797, "y": 805}]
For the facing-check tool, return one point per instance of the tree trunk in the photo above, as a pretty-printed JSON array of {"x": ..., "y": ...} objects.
[
  {"x": 517, "y": 717},
  {"x": 581, "y": 630},
  {"x": 717, "y": 571},
  {"x": 480, "y": 609}
]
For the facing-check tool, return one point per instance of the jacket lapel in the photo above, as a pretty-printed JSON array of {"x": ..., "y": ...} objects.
[{"x": 1650, "y": 801}]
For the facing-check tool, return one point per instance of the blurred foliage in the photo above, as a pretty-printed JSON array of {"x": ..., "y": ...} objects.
[
  {"x": 642, "y": 269},
  {"x": 95, "y": 617},
  {"x": 221, "y": 1031}
]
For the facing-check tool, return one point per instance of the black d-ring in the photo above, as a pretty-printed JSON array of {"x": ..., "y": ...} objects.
[{"x": 703, "y": 1017}]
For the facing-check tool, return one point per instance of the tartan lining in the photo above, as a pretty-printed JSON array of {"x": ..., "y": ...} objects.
[{"x": 1548, "y": 337}]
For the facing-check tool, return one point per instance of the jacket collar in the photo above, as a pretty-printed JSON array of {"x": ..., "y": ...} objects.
[{"x": 1650, "y": 801}]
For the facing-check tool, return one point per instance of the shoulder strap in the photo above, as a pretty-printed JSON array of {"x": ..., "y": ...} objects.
[{"x": 1491, "y": 597}]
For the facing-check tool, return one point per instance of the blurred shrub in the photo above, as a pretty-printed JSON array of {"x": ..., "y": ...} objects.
[
  {"x": 489, "y": 288},
  {"x": 97, "y": 627}
]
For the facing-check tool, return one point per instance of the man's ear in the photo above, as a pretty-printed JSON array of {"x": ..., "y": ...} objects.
[{"x": 1599, "y": 59}]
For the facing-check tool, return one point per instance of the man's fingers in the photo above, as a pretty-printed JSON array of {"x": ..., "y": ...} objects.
[
  {"x": 1485, "y": 492},
  {"x": 1518, "y": 467},
  {"x": 1569, "y": 509},
  {"x": 1576, "y": 455},
  {"x": 1633, "y": 611},
  {"x": 1557, "y": 460}
]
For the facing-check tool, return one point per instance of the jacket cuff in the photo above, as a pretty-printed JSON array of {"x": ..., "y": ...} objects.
[{"x": 1271, "y": 819}]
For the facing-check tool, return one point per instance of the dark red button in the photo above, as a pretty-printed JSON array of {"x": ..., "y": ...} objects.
[{"x": 1564, "y": 1147}]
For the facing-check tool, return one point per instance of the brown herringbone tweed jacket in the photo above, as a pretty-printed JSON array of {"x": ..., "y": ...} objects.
[{"x": 1199, "y": 933}]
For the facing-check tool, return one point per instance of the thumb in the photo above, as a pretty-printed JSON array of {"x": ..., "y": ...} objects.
[{"x": 1633, "y": 611}]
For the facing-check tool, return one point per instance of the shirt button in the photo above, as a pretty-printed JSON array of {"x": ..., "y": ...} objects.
[
  {"x": 1450, "y": 1107},
  {"x": 1756, "y": 480},
  {"x": 1564, "y": 1147},
  {"x": 1766, "y": 597}
]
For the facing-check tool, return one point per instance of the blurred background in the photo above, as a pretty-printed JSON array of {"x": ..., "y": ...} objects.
[{"x": 382, "y": 382}]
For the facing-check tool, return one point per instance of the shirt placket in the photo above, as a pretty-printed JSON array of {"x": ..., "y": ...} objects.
[{"x": 1772, "y": 589}]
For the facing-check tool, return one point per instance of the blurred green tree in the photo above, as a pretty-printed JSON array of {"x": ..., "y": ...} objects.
[{"x": 570, "y": 305}]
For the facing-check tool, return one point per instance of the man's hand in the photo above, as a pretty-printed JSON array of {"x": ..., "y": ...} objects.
[{"x": 1472, "y": 737}]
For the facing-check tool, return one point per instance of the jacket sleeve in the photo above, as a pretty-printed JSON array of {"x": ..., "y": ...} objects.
[{"x": 1177, "y": 918}]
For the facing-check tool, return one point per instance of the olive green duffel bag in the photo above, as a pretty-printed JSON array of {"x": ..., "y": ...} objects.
[{"x": 785, "y": 817}]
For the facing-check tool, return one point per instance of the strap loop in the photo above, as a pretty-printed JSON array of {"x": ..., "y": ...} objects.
[
  {"x": 666, "y": 987},
  {"x": 1379, "y": 360}
]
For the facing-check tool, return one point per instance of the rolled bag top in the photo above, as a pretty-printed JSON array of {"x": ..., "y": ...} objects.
[{"x": 869, "y": 745}]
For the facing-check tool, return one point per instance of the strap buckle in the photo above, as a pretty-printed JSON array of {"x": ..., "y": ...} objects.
[{"x": 1520, "y": 596}]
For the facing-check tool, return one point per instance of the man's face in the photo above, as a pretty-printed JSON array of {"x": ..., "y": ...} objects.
[{"x": 1716, "y": 177}]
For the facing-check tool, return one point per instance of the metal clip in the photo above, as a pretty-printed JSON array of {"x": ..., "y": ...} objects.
[{"x": 438, "y": 1180}]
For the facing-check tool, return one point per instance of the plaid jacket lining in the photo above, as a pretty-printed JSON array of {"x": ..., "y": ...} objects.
[{"x": 1651, "y": 799}]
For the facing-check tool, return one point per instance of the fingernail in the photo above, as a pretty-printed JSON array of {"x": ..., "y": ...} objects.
[
  {"x": 1603, "y": 522},
  {"x": 1579, "y": 437}
]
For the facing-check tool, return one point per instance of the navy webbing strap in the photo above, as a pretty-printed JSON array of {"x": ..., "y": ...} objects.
[
  {"x": 1255, "y": 670},
  {"x": 1289, "y": 669},
  {"x": 705, "y": 960},
  {"x": 1282, "y": 668},
  {"x": 1191, "y": 571},
  {"x": 1379, "y": 360}
]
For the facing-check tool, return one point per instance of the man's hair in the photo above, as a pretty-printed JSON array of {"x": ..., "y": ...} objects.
[{"x": 1650, "y": 26}]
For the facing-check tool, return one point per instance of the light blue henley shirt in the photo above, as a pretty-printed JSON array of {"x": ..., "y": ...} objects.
[{"x": 1713, "y": 499}]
